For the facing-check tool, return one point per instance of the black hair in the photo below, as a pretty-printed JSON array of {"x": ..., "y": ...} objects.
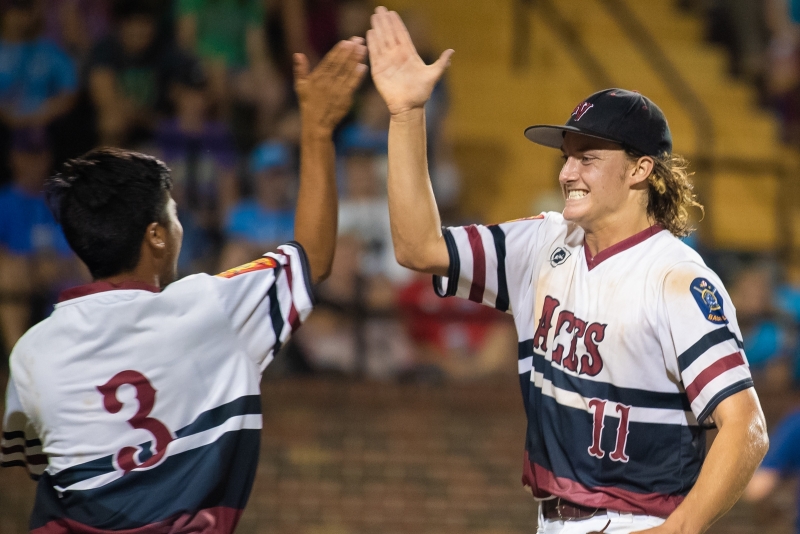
[{"x": 104, "y": 201}]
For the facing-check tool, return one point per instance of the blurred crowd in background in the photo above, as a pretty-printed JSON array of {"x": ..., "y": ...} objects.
[{"x": 206, "y": 86}]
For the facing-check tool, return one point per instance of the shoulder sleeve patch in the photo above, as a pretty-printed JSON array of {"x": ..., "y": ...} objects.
[
  {"x": 257, "y": 265},
  {"x": 709, "y": 300}
]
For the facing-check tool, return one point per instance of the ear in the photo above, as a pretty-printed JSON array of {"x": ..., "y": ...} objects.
[
  {"x": 640, "y": 170},
  {"x": 156, "y": 238}
]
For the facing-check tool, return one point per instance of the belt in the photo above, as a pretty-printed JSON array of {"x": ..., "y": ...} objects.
[{"x": 563, "y": 510}]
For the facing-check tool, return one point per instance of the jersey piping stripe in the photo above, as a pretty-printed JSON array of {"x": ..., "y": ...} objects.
[
  {"x": 722, "y": 395},
  {"x": 713, "y": 338},
  {"x": 294, "y": 318},
  {"x": 478, "y": 265},
  {"x": 602, "y": 390},
  {"x": 453, "y": 271},
  {"x": 637, "y": 414},
  {"x": 500, "y": 249},
  {"x": 246, "y": 405},
  {"x": 713, "y": 371},
  {"x": 275, "y": 313}
]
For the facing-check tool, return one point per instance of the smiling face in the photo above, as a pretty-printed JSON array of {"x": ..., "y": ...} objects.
[{"x": 599, "y": 182}]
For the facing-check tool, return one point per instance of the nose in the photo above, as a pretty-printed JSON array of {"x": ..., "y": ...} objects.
[{"x": 569, "y": 171}]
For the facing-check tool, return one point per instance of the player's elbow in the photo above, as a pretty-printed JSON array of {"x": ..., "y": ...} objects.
[{"x": 759, "y": 436}]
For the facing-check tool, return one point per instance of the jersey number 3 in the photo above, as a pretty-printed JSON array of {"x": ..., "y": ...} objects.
[
  {"x": 146, "y": 395},
  {"x": 598, "y": 408}
]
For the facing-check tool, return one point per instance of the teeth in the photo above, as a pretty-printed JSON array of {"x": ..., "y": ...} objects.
[{"x": 574, "y": 194}]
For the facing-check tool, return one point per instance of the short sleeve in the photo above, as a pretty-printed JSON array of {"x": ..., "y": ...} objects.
[
  {"x": 20, "y": 446},
  {"x": 701, "y": 339},
  {"x": 486, "y": 262},
  {"x": 267, "y": 300},
  {"x": 784, "y": 453}
]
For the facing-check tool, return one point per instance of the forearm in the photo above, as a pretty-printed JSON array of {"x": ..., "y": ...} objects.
[
  {"x": 736, "y": 453},
  {"x": 415, "y": 223},
  {"x": 317, "y": 201}
]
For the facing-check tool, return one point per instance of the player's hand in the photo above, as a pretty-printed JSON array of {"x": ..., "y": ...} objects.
[
  {"x": 404, "y": 81},
  {"x": 326, "y": 93}
]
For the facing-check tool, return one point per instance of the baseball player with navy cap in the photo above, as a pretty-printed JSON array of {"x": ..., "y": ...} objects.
[{"x": 629, "y": 348}]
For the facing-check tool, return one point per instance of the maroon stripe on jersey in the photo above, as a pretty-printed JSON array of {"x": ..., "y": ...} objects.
[
  {"x": 478, "y": 264},
  {"x": 294, "y": 317},
  {"x": 545, "y": 482},
  {"x": 711, "y": 372},
  {"x": 218, "y": 520},
  {"x": 625, "y": 244},
  {"x": 100, "y": 287}
]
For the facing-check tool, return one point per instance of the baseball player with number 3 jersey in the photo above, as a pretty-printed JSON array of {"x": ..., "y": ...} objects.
[
  {"x": 136, "y": 404},
  {"x": 628, "y": 344}
]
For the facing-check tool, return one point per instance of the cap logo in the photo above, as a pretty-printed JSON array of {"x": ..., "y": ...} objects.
[{"x": 581, "y": 109}]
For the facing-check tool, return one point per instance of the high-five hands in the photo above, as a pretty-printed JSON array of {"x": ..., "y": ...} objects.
[
  {"x": 404, "y": 81},
  {"x": 326, "y": 93}
]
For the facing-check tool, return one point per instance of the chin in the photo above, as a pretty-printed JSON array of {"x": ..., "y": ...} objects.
[{"x": 574, "y": 214}]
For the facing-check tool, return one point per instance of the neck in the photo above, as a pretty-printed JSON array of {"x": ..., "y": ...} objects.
[
  {"x": 141, "y": 276},
  {"x": 610, "y": 232}
]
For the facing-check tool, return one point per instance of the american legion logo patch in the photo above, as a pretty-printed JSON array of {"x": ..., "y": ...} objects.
[{"x": 709, "y": 300}]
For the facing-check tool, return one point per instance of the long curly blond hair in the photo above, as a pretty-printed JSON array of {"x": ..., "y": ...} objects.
[{"x": 670, "y": 193}]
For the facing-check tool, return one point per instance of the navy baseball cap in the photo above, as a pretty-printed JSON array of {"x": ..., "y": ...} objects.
[{"x": 617, "y": 115}]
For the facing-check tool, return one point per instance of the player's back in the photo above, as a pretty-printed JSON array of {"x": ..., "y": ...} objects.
[{"x": 147, "y": 404}]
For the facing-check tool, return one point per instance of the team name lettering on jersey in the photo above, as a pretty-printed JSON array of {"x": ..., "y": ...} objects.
[{"x": 591, "y": 334}]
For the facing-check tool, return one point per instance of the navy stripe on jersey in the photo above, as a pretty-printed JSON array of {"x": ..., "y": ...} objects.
[
  {"x": 593, "y": 389},
  {"x": 453, "y": 271},
  {"x": 275, "y": 313},
  {"x": 500, "y": 248},
  {"x": 722, "y": 395},
  {"x": 246, "y": 405},
  {"x": 663, "y": 458},
  {"x": 306, "y": 269},
  {"x": 712, "y": 339},
  {"x": 218, "y": 474}
]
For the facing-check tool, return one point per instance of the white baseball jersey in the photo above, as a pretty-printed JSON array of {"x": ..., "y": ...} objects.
[
  {"x": 622, "y": 356},
  {"x": 146, "y": 403}
]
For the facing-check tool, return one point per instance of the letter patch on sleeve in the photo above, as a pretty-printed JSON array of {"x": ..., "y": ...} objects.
[
  {"x": 709, "y": 300},
  {"x": 257, "y": 265}
]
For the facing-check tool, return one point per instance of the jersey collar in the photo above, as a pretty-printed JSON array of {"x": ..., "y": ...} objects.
[
  {"x": 625, "y": 244},
  {"x": 100, "y": 287}
]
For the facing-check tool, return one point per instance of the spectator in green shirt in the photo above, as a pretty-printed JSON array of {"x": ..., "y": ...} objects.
[{"x": 229, "y": 36}]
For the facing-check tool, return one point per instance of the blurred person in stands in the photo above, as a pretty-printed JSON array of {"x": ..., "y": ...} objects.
[
  {"x": 127, "y": 73},
  {"x": 768, "y": 334},
  {"x": 454, "y": 337},
  {"x": 230, "y": 38},
  {"x": 359, "y": 332},
  {"x": 77, "y": 25},
  {"x": 266, "y": 219},
  {"x": 35, "y": 260},
  {"x": 200, "y": 152},
  {"x": 782, "y": 461},
  {"x": 37, "y": 79}
]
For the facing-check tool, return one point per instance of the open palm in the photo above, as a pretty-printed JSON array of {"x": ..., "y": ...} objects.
[{"x": 404, "y": 81}]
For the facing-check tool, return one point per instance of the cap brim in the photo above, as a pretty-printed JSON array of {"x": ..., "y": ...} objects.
[{"x": 553, "y": 136}]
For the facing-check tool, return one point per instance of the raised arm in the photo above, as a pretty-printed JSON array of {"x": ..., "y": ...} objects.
[
  {"x": 406, "y": 83},
  {"x": 325, "y": 97}
]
